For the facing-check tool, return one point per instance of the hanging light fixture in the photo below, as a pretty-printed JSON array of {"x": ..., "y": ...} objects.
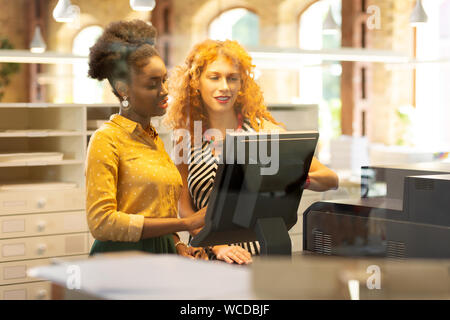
[
  {"x": 142, "y": 5},
  {"x": 65, "y": 12},
  {"x": 37, "y": 44},
  {"x": 329, "y": 24},
  {"x": 418, "y": 15}
]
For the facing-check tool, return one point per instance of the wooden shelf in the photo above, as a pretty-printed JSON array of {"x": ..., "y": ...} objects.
[
  {"x": 40, "y": 163},
  {"x": 48, "y": 214},
  {"x": 39, "y": 133}
]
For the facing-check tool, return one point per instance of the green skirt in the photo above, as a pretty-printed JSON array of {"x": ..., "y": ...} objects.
[{"x": 163, "y": 244}]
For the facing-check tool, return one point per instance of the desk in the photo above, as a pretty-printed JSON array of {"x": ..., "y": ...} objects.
[
  {"x": 329, "y": 277},
  {"x": 142, "y": 276},
  {"x": 125, "y": 276}
]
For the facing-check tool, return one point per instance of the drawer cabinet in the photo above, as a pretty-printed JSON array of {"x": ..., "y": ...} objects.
[
  {"x": 42, "y": 201},
  {"x": 16, "y": 271},
  {"x": 38, "y": 225},
  {"x": 12, "y": 203},
  {"x": 29, "y": 291},
  {"x": 31, "y": 225},
  {"x": 44, "y": 247}
]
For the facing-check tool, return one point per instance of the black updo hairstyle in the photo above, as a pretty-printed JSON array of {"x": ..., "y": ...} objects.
[{"x": 122, "y": 45}]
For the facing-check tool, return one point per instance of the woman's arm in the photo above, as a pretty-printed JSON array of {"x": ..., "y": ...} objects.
[
  {"x": 226, "y": 253},
  {"x": 187, "y": 251},
  {"x": 185, "y": 207},
  {"x": 321, "y": 177},
  {"x": 154, "y": 227},
  {"x": 104, "y": 220}
]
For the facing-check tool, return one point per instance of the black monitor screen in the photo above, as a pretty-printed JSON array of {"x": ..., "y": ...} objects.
[{"x": 258, "y": 186}]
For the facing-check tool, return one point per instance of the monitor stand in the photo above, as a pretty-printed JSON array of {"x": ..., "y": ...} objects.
[{"x": 273, "y": 237}]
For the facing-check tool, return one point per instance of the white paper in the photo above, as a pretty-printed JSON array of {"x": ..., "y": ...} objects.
[
  {"x": 15, "y": 272},
  {"x": 20, "y": 294},
  {"x": 17, "y": 225},
  {"x": 33, "y": 186},
  {"x": 12, "y": 250},
  {"x": 31, "y": 156}
]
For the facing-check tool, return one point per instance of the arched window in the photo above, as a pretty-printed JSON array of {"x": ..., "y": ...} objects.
[
  {"x": 85, "y": 89},
  {"x": 432, "y": 79},
  {"x": 320, "y": 81},
  {"x": 238, "y": 24}
]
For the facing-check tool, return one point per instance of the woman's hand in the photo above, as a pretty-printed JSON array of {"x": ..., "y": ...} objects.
[
  {"x": 197, "y": 220},
  {"x": 322, "y": 178},
  {"x": 191, "y": 252},
  {"x": 232, "y": 254}
]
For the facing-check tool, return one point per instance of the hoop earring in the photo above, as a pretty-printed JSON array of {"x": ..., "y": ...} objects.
[{"x": 125, "y": 104}]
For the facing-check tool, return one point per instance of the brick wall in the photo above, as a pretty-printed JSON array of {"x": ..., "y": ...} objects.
[
  {"x": 278, "y": 27},
  {"x": 391, "y": 87},
  {"x": 62, "y": 35}
]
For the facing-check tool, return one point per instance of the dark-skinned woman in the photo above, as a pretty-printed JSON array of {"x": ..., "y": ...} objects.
[{"x": 132, "y": 185}]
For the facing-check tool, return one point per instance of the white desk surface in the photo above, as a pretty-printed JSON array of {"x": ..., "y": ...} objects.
[{"x": 140, "y": 276}]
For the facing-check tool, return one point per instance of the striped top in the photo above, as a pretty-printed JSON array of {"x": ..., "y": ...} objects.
[{"x": 202, "y": 170}]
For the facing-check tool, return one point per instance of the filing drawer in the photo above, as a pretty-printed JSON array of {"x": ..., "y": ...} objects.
[
  {"x": 43, "y": 247},
  {"x": 16, "y": 271},
  {"x": 297, "y": 242},
  {"x": 308, "y": 198},
  {"x": 296, "y": 235},
  {"x": 29, "y": 291},
  {"x": 298, "y": 227},
  {"x": 41, "y": 201},
  {"x": 42, "y": 224}
]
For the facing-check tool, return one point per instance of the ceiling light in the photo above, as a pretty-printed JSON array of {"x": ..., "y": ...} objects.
[
  {"x": 329, "y": 25},
  {"x": 37, "y": 45},
  {"x": 418, "y": 15},
  {"x": 142, "y": 5},
  {"x": 276, "y": 58},
  {"x": 65, "y": 11}
]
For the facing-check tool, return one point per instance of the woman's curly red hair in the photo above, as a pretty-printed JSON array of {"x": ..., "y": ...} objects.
[{"x": 186, "y": 104}]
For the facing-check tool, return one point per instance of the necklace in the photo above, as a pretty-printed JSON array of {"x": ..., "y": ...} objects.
[{"x": 211, "y": 139}]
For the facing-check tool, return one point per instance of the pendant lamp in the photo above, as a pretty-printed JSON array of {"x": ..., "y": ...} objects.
[
  {"x": 329, "y": 25},
  {"x": 37, "y": 44},
  {"x": 142, "y": 5},
  {"x": 418, "y": 15}
]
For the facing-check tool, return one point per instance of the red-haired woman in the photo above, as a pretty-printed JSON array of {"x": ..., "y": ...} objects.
[{"x": 216, "y": 86}]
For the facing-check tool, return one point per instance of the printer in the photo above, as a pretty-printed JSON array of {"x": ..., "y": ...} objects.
[{"x": 403, "y": 212}]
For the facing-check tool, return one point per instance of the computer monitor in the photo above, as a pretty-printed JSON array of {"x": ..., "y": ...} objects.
[{"x": 256, "y": 196}]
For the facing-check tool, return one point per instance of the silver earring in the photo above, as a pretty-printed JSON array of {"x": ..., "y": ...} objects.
[{"x": 125, "y": 103}]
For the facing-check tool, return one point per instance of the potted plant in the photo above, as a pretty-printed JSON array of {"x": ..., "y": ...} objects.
[{"x": 6, "y": 69}]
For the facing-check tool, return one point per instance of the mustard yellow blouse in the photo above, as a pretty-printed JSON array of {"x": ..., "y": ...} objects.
[{"x": 129, "y": 176}]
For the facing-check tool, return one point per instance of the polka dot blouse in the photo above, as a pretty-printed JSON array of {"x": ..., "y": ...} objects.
[{"x": 129, "y": 177}]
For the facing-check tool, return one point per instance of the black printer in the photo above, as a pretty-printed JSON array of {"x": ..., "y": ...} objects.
[{"x": 403, "y": 212}]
